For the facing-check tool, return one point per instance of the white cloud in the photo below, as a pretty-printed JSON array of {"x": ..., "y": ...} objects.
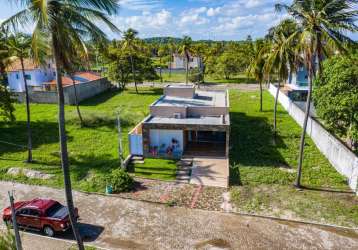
[
  {"x": 142, "y": 5},
  {"x": 213, "y": 11},
  {"x": 192, "y": 19}
]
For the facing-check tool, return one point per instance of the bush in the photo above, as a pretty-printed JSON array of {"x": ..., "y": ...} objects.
[
  {"x": 7, "y": 240},
  {"x": 120, "y": 181},
  {"x": 196, "y": 76},
  {"x": 336, "y": 96}
]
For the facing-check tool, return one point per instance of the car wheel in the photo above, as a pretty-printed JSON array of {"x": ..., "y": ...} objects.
[{"x": 49, "y": 231}]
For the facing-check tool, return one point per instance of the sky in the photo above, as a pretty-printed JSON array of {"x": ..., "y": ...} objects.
[{"x": 200, "y": 19}]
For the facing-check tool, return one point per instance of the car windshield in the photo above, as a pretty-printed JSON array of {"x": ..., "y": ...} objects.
[{"x": 51, "y": 211}]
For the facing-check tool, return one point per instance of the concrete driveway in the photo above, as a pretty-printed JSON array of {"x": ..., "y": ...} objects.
[
  {"x": 210, "y": 171},
  {"x": 117, "y": 223}
]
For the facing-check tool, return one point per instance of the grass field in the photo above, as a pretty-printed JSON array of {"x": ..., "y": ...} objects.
[
  {"x": 180, "y": 77},
  {"x": 159, "y": 169},
  {"x": 262, "y": 172},
  {"x": 92, "y": 149}
]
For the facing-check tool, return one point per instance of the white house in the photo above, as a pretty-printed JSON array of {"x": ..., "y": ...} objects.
[
  {"x": 179, "y": 62},
  {"x": 35, "y": 75}
]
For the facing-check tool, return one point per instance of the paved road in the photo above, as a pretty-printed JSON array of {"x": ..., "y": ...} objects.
[{"x": 117, "y": 223}]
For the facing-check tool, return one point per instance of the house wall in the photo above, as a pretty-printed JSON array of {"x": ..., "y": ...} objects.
[
  {"x": 207, "y": 111},
  {"x": 38, "y": 77},
  {"x": 147, "y": 127},
  {"x": 179, "y": 92},
  {"x": 84, "y": 91},
  {"x": 168, "y": 111},
  {"x": 158, "y": 137},
  {"x": 341, "y": 158}
]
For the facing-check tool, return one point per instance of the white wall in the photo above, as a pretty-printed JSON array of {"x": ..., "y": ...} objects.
[
  {"x": 341, "y": 158},
  {"x": 164, "y": 136},
  {"x": 38, "y": 77}
]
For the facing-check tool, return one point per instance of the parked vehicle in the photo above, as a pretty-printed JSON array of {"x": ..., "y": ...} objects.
[{"x": 46, "y": 215}]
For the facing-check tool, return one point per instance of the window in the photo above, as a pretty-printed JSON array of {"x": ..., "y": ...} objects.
[
  {"x": 28, "y": 77},
  {"x": 54, "y": 73},
  {"x": 17, "y": 76},
  {"x": 49, "y": 65},
  {"x": 23, "y": 212},
  {"x": 33, "y": 212}
]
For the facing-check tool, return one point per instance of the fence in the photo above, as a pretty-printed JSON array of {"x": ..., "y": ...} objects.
[
  {"x": 341, "y": 157},
  {"x": 84, "y": 90}
]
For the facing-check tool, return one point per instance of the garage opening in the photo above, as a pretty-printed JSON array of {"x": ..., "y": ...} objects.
[{"x": 205, "y": 143}]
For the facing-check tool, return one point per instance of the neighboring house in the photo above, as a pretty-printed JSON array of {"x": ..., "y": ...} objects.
[
  {"x": 184, "y": 121},
  {"x": 179, "y": 62},
  {"x": 35, "y": 75},
  {"x": 79, "y": 77},
  {"x": 297, "y": 84}
]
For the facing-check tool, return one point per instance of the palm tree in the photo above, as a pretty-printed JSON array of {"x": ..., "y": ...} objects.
[
  {"x": 321, "y": 21},
  {"x": 172, "y": 49},
  {"x": 130, "y": 45},
  {"x": 186, "y": 49},
  {"x": 20, "y": 46},
  {"x": 257, "y": 64},
  {"x": 66, "y": 24},
  {"x": 282, "y": 56},
  {"x": 76, "y": 98}
]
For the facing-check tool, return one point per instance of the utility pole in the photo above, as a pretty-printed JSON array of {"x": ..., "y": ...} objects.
[
  {"x": 120, "y": 148},
  {"x": 14, "y": 223}
]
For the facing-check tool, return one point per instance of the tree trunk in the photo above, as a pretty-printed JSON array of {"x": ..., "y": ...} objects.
[
  {"x": 133, "y": 73},
  {"x": 76, "y": 102},
  {"x": 303, "y": 135},
  {"x": 160, "y": 69},
  {"x": 275, "y": 111},
  {"x": 187, "y": 69},
  {"x": 170, "y": 66},
  {"x": 64, "y": 153},
  {"x": 319, "y": 55},
  {"x": 29, "y": 133},
  {"x": 260, "y": 95}
]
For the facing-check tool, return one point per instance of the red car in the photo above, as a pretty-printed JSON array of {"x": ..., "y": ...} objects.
[{"x": 44, "y": 215}]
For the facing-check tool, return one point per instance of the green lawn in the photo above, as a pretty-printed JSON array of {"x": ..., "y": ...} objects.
[
  {"x": 160, "y": 169},
  {"x": 262, "y": 172},
  {"x": 180, "y": 77},
  {"x": 92, "y": 149}
]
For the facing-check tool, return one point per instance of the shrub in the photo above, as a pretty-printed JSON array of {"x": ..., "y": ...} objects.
[
  {"x": 7, "y": 240},
  {"x": 120, "y": 181},
  {"x": 336, "y": 96},
  {"x": 196, "y": 76}
]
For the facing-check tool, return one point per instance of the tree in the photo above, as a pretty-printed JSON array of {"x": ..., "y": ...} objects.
[
  {"x": 130, "y": 45},
  {"x": 120, "y": 69},
  {"x": 257, "y": 65},
  {"x": 228, "y": 64},
  {"x": 6, "y": 104},
  {"x": 65, "y": 24},
  {"x": 336, "y": 97},
  {"x": 172, "y": 50},
  {"x": 163, "y": 51},
  {"x": 20, "y": 46},
  {"x": 282, "y": 56},
  {"x": 202, "y": 51},
  {"x": 321, "y": 21},
  {"x": 186, "y": 50}
]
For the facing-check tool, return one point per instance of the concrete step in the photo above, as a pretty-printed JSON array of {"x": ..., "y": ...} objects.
[
  {"x": 182, "y": 172},
  {"x": 138, "y": 161},
  {"x": 136, "y": 157},
  {"x": 187, "y": 168}
]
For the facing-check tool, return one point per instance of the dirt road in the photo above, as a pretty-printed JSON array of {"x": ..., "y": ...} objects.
[{"x": 117, "y": 223}]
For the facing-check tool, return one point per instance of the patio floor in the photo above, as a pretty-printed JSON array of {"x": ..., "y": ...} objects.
[{"x": 210, "y": 171}]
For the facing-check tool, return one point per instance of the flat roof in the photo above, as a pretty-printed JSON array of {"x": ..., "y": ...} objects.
[
  {"x": 181, "y": 86},
  {"x": 206, "y": 120},
  {"x": 201, "y": 99}
]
